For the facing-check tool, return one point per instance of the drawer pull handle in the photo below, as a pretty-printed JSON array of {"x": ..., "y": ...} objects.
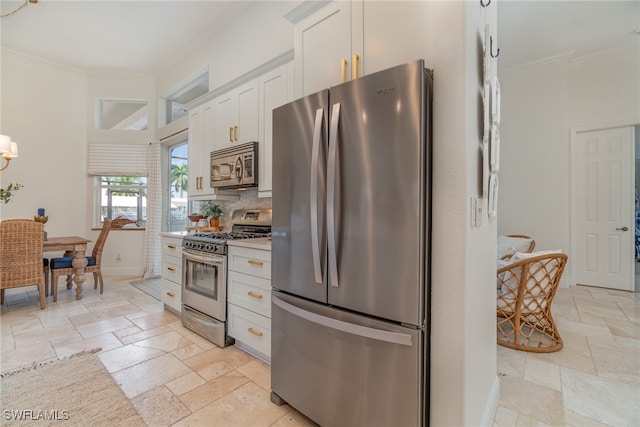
[
  {"x": 230, "y": 133},
  {"x": 255, "y": 262},
  {"x": 171, "y": 269},
  {"x": 253, "y": 294},
  {"x": 235, "y": 133},
  {"x": 254, "y": 332},
  {"x": 171, "y": 294},
  {"x": 171, "y": 246}
]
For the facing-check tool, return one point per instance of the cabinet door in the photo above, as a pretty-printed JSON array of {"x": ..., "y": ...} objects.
[
  {"x": 201, "y": 129},
  {"x": 322, "y": 46},
  {"x": 275, "y": 90},
  {"x": 227, "y": 118},
  {"x": 247, "y": 114},
  {"x": 195, "y": 152},
  {"x": 397, "y": 32}
]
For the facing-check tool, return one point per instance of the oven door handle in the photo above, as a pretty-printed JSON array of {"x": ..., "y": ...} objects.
[{"x": 208, "y": 259}]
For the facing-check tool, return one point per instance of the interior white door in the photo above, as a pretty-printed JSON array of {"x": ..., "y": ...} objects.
[{"x": 602, "y": 244}]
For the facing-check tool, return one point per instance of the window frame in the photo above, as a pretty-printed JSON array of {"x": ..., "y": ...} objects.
[{"x": 110, "y": 189}]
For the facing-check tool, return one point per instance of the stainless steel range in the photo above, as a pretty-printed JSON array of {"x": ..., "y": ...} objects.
[{"x": 204, "y": 273}]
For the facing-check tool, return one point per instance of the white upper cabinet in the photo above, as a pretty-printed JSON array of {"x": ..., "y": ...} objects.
[
  {"x": 237, "y": 116},
  {"x": 344, "y": 40},
  {"x": 328, "y": 47},
  {"x": 202, "y": 129},
  {"x": 276, "y": 89}
]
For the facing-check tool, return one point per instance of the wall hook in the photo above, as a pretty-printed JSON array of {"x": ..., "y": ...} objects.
[
  {"x": 491, "y": 48},
  {"x": 485, "y": 5}
]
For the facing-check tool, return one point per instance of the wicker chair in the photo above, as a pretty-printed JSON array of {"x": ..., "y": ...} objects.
[
  {"x": 21, "y": 256},
  {"x": 525, "y": 292},
  {"x": 63, "y": 266}
]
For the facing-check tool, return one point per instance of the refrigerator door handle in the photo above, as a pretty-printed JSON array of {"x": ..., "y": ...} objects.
[
  {"x": 349, "y": 328},
  {"x": 331, "y": 195},
  {"x": 315, "y": 155}
]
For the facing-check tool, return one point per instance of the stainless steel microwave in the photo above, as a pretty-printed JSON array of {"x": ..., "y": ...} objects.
[{"x": 235, "y": 167}]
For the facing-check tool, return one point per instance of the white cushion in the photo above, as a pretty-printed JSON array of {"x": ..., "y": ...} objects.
[
  {"x": 519, "y": 244},
  {"x": 510, "y": 280}
]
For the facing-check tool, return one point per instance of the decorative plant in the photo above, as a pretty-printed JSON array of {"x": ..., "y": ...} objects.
[
  {"x": 211, "y": 210},
  {"x": 5, "y": 194}
]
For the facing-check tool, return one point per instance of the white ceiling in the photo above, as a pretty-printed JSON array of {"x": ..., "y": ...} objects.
[
  {"x": 116, "y": 35},
  {"x": 534, "y": 30},
  {"x": 146, "y": 36}
]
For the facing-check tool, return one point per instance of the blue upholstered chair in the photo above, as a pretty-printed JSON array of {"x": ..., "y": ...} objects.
[{"x": 62, "y": 266}]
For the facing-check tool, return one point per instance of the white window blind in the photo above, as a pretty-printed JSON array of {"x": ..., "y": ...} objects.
[{"x": 117, "y": 160}]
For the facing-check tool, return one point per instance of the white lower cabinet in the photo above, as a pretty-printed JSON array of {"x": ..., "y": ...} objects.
[
  {"x": 249, "y": 299},
  {"x": 171, "y": 288}
]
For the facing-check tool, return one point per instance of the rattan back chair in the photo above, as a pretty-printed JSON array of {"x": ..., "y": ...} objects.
[
  {"x": 526, "y": 289},
  {"x": 63, "y": 266},
  {"x": 21, "y": 256}
]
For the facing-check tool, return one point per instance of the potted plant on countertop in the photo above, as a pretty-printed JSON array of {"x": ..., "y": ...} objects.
[{"x": 213, "y": 212}]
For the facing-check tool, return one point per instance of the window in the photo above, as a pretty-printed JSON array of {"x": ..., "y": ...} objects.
[
  {"x": 175, "y": 104},
  {"x": 122, "y": 114},
  {"x": 122, "y": 196},
  {"x": 178, "y": 181}
]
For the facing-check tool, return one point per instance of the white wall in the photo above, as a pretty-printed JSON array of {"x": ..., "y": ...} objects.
[
  {"x": 258, "y": 35},
  {"x": 534, "y": 154},
  {"x": 44, "y": 110},
  {"x": 464, "y": 386},
  {"x": 540, "y": 105}
]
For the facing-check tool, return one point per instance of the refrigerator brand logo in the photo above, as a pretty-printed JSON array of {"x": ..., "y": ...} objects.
[{"x": 386, "y": 90}]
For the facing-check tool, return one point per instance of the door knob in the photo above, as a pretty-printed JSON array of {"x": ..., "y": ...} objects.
[{"x": 622, "y": 228}]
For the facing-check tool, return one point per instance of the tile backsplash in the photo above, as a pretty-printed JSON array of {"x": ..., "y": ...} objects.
[{"x": 248, "y": 200}]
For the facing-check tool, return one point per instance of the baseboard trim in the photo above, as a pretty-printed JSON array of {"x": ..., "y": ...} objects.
[{"x": 492, "y": 404}]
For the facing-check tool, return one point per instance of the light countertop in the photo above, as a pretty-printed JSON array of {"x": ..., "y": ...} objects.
[
  {"x": 259, "y": 243},
  {"x": 174, "y": 233}
]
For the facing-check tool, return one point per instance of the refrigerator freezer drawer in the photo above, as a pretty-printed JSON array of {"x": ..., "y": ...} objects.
[{"x": 339, "y": 368}]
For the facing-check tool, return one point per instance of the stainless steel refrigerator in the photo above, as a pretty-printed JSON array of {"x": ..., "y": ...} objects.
[{"x": 350, "y": 251}]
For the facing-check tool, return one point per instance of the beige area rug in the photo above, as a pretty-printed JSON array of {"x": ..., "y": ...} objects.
[
  {"x": 74, "y": 391},
  {"x": 150, "y": 286}
]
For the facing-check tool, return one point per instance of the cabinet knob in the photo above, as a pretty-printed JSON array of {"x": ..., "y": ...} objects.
[
  {"x": 171, "y": 246},
  {"x": 623, "y": 228},
  {"x": 254, "y": 295},
  {"x": 171, "y": 294},
  {"x": 254, "y": 332},
  {"x": 171, "y": 269},
  {"x": 255, "y": 262}
]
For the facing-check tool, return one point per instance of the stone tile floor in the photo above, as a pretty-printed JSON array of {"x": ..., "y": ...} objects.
[{"x": 174, "y": 377}]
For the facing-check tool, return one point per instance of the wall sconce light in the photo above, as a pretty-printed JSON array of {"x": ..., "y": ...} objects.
[{"x": 8, "y": 150}]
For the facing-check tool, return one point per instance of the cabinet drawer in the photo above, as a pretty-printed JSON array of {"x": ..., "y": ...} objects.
[
  {"x": 250, "y": 292},
  {"x": 171, "y": 294},
  {"x": 254, "y": 262},
  {"x": 250, "y": 328},
  {"x": 172, "y": 269},
  {"x": 172, "y": 247}
]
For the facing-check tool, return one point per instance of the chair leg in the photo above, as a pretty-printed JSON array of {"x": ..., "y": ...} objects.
[
  {"x": 95, "y": 280},
  {"x": 54, "y": 285},
  {"x": 46, "y": 282},
  {"x": 1, "y": 296},
  {"x": 70, "y": 281},
  {"x": 41, "y": 293},
  {"x": 101, "y": 282}
]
